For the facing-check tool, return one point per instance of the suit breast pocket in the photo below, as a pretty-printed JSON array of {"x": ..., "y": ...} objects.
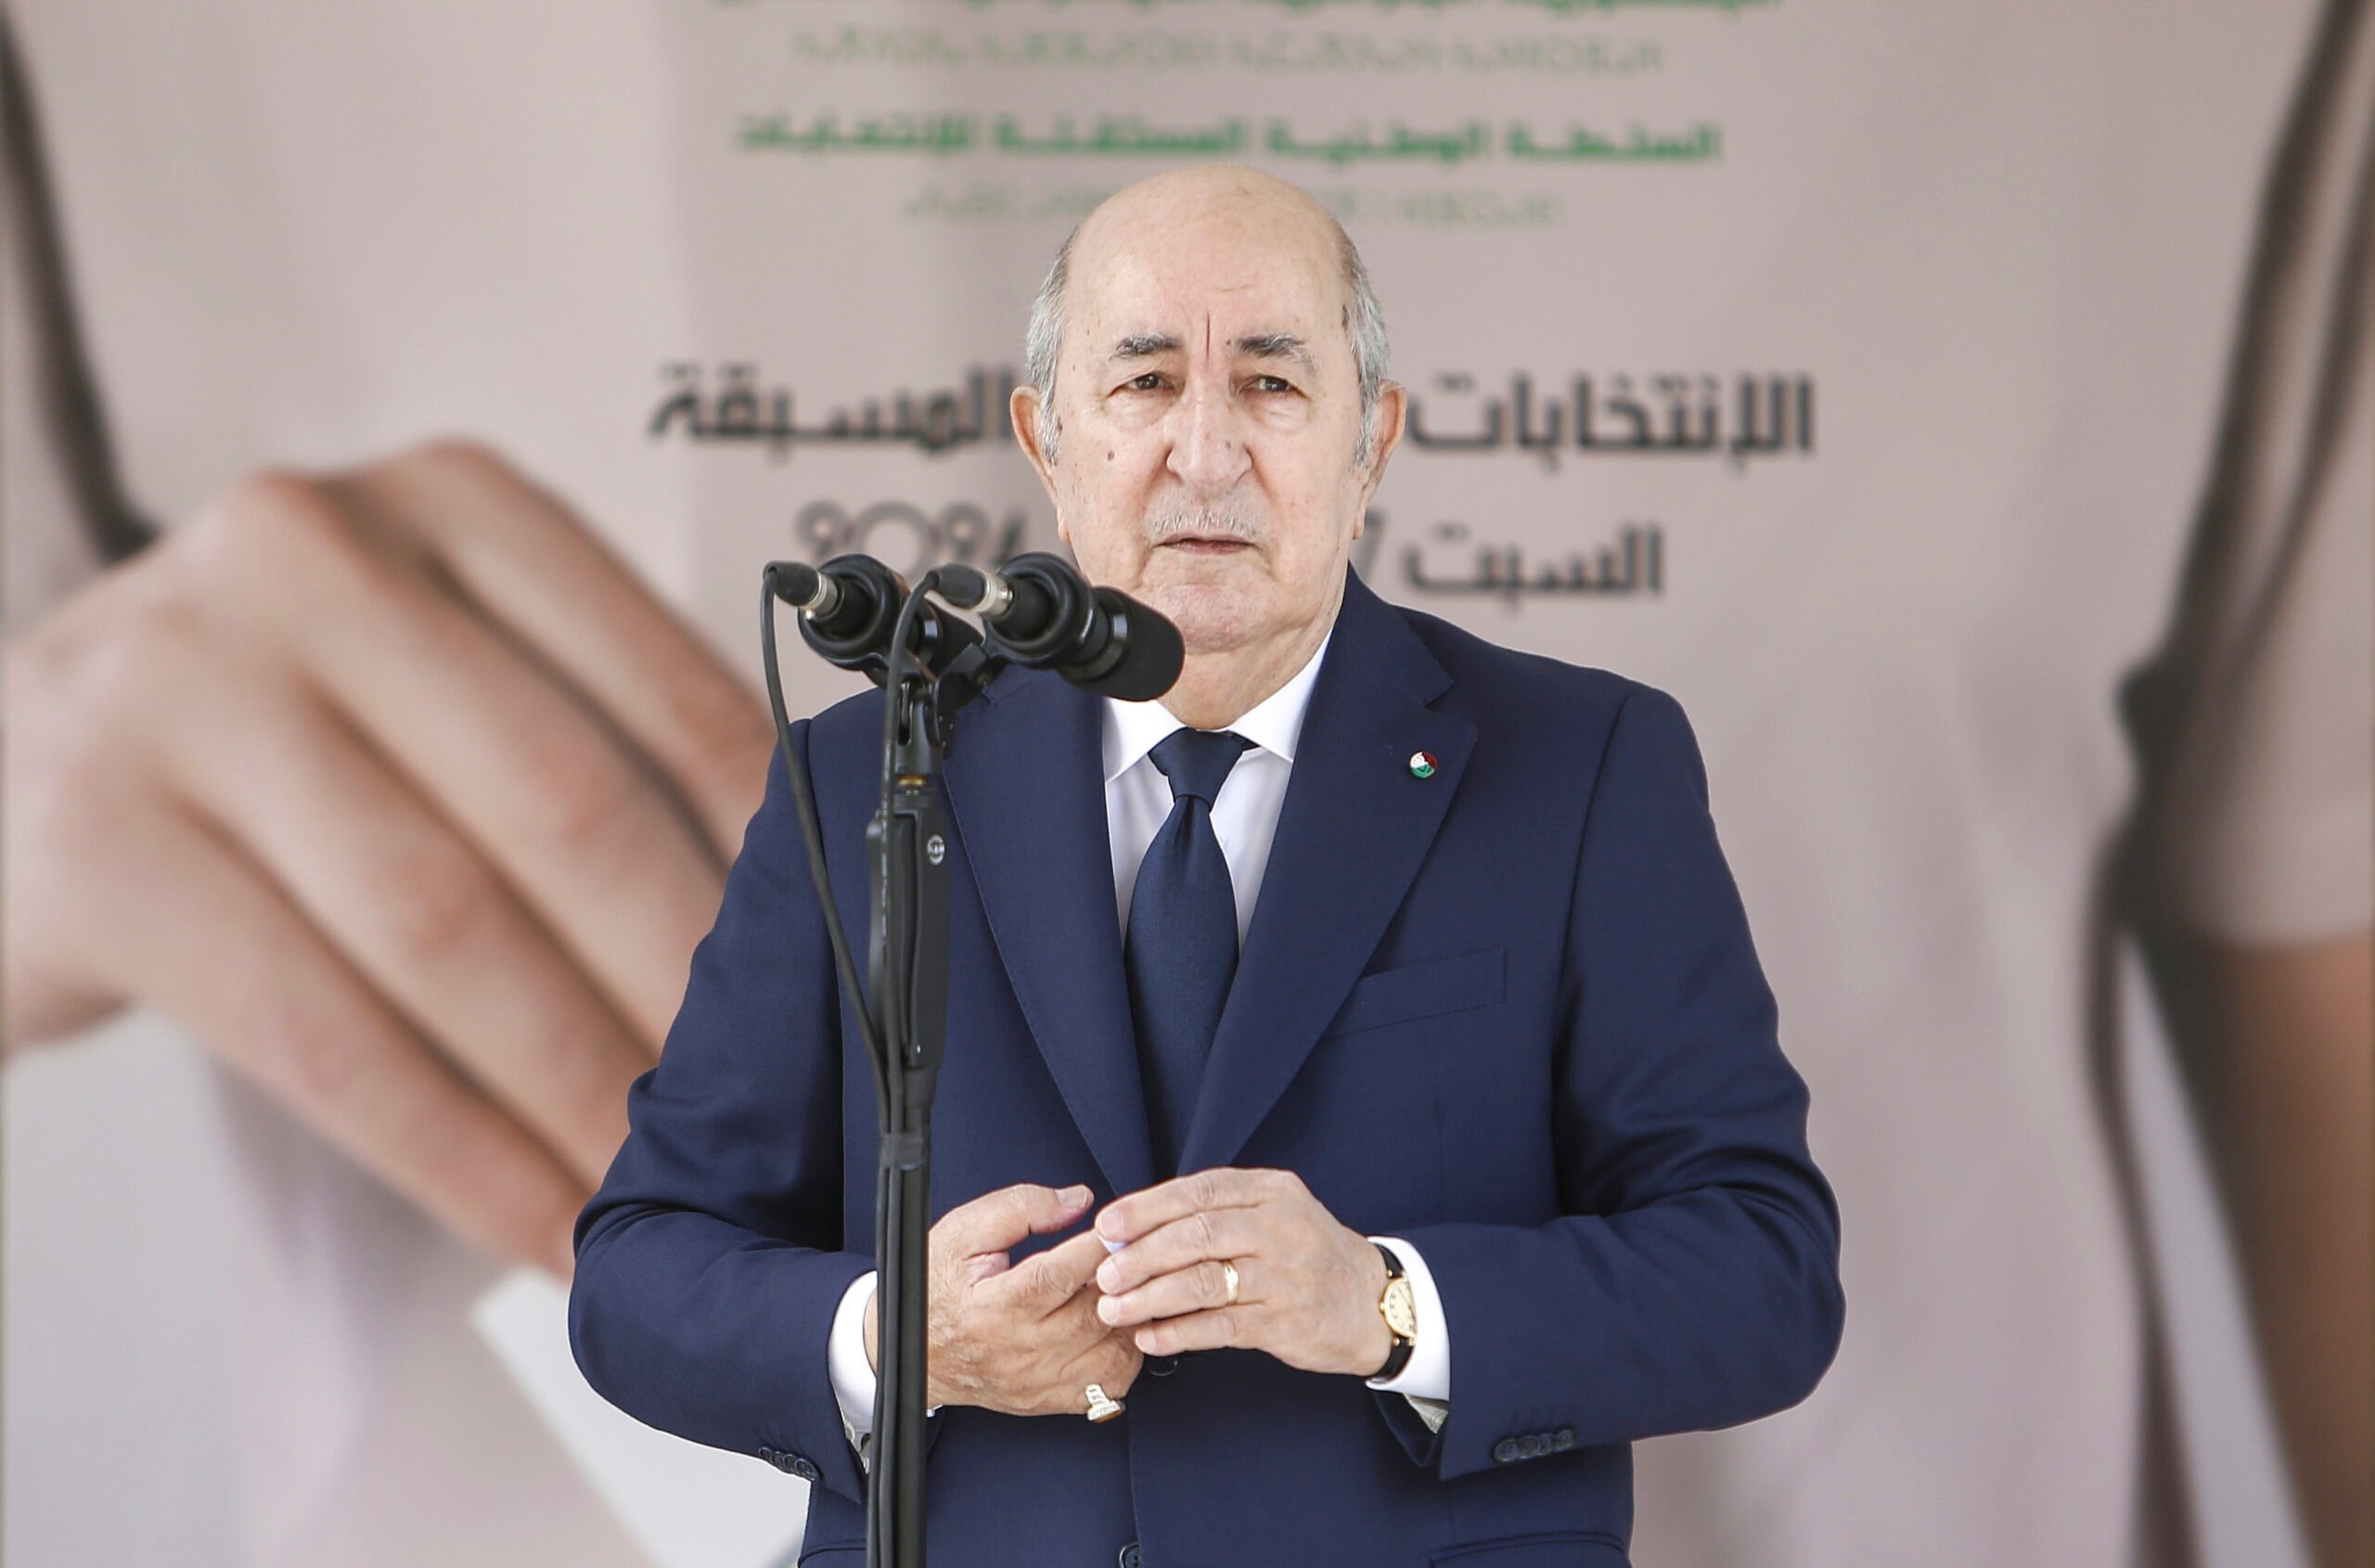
[{"x": 1427, "y": 988}]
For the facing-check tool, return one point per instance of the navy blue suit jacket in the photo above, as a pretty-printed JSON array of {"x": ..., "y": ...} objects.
[{"x": 1510, "y": 1012}]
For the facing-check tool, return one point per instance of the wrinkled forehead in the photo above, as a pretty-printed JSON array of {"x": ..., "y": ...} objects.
[{"x": 1207, "y": 283}]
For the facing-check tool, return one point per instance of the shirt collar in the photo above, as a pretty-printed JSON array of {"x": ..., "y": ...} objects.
[{"x": 1275, "y": 723}]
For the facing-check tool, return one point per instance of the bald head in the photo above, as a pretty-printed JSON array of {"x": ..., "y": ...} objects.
[
  {"x": 1210, "y": 350},
  {"x": 1250, "y": 208}
]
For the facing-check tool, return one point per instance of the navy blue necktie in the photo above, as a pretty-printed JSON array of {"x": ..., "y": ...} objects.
[{"x": 1181, "y": 952}]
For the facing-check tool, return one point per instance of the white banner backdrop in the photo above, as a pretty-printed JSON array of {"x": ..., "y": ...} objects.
[{"x": 1849, "y": 369}]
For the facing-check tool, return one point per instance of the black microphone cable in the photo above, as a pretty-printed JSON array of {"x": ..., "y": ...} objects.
[{"x": 811, "y": 832}]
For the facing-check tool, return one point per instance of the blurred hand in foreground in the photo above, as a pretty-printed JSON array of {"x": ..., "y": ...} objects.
[{"x": 395, "y": 786}]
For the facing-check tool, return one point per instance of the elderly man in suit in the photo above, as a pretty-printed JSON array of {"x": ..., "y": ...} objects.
[{"x": 1376, "y": 1012}]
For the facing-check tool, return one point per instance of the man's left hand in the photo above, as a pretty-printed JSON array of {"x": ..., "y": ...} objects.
[{"x": 1307, "y": 1286}]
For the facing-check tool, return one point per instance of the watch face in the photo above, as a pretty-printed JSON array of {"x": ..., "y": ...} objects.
[{"x": 1400, "y": 1308}]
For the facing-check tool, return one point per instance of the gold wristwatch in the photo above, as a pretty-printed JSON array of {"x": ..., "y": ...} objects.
[{"x": 1400, "y": 1310}]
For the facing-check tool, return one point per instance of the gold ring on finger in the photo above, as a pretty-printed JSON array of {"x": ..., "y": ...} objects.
[{"x": 1229, "y": 1283}]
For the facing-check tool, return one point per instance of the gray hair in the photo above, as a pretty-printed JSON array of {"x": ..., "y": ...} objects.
[{"x": 1363, "y": 322}]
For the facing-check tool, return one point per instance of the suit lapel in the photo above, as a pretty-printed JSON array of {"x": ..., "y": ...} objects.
[
  {"x": 1352, "y": 832},
  {"x": 1026, "y": 786}
]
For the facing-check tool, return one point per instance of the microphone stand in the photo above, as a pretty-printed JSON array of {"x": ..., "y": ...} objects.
[{"x": 904, "y": 1032}]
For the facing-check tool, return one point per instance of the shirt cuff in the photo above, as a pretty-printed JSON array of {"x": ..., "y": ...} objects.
[
  {"x": 1425, "y": 1378},
  {"x": 853, "y": 1374},
  {"x": 845, "y": 1358}
]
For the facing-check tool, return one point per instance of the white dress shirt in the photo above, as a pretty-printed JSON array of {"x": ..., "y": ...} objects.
[{"x": 1245, "y": 818}]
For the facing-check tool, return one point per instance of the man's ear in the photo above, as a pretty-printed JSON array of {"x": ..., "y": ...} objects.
[
  {"x": 1023, "y": 412},
  {"x": 1387, "y": 419}
]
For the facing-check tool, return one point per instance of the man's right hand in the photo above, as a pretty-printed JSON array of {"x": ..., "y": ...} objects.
[
  {"x": 396, "y": 787},
  {"x": 1023, "y": 1338}
]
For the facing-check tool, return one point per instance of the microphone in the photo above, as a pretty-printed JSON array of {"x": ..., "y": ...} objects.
[
  {"x": 1042, "y": 613},
  {"x": 849, "y": 610}
]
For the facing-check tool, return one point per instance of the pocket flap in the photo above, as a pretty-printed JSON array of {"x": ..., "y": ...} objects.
[{"x": 1421, "y": 990}]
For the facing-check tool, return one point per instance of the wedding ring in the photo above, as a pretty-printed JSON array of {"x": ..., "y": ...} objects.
[
  {"x": 1229, "y": 1281},
  {"x": 1102, "y": 1406}
]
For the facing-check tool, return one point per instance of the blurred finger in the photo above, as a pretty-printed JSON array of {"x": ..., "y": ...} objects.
[
  {"x": 413, "y": 905},
  {"x": 223, "y": 951},
  {"x": 481, "y": 725},
  {"x": 537, "y": 564}
]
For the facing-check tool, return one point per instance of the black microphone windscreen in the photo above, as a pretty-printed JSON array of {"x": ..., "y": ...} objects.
[
  {"x": 795, "y": 582},
  {"x": 1047, "y": 618},
  {"x": 858, "y": 624},
  {"x": 964, "y": 586},
  {"x": 1152, "y": 653}
]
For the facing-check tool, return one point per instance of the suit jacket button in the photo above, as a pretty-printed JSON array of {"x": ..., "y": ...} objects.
[
  {"x": 804, "y": 1467},
  {"x": 1129, "y": 1556},
  {"x": 1505, "y": 1450},
  {"x": 1564, "y": 1439},
  {"x": 768, "y": 1455},
  {"x": 1162, "y": 1366}
]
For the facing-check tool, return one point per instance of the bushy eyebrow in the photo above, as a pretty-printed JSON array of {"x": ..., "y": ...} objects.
[
  {"x": 1143, "y": 346},
  {"x": 1276, "y": 345},
  {"x": 1257, "y": 345}
]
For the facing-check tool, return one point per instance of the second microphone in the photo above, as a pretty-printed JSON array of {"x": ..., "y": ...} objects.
[{"x": 1040, "y": 611}]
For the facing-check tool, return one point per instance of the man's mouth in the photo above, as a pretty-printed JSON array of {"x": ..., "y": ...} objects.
[{"x": 1207, "y": 545}]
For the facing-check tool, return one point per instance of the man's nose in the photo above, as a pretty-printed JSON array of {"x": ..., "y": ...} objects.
[{"x": 1207, "y": 437}]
